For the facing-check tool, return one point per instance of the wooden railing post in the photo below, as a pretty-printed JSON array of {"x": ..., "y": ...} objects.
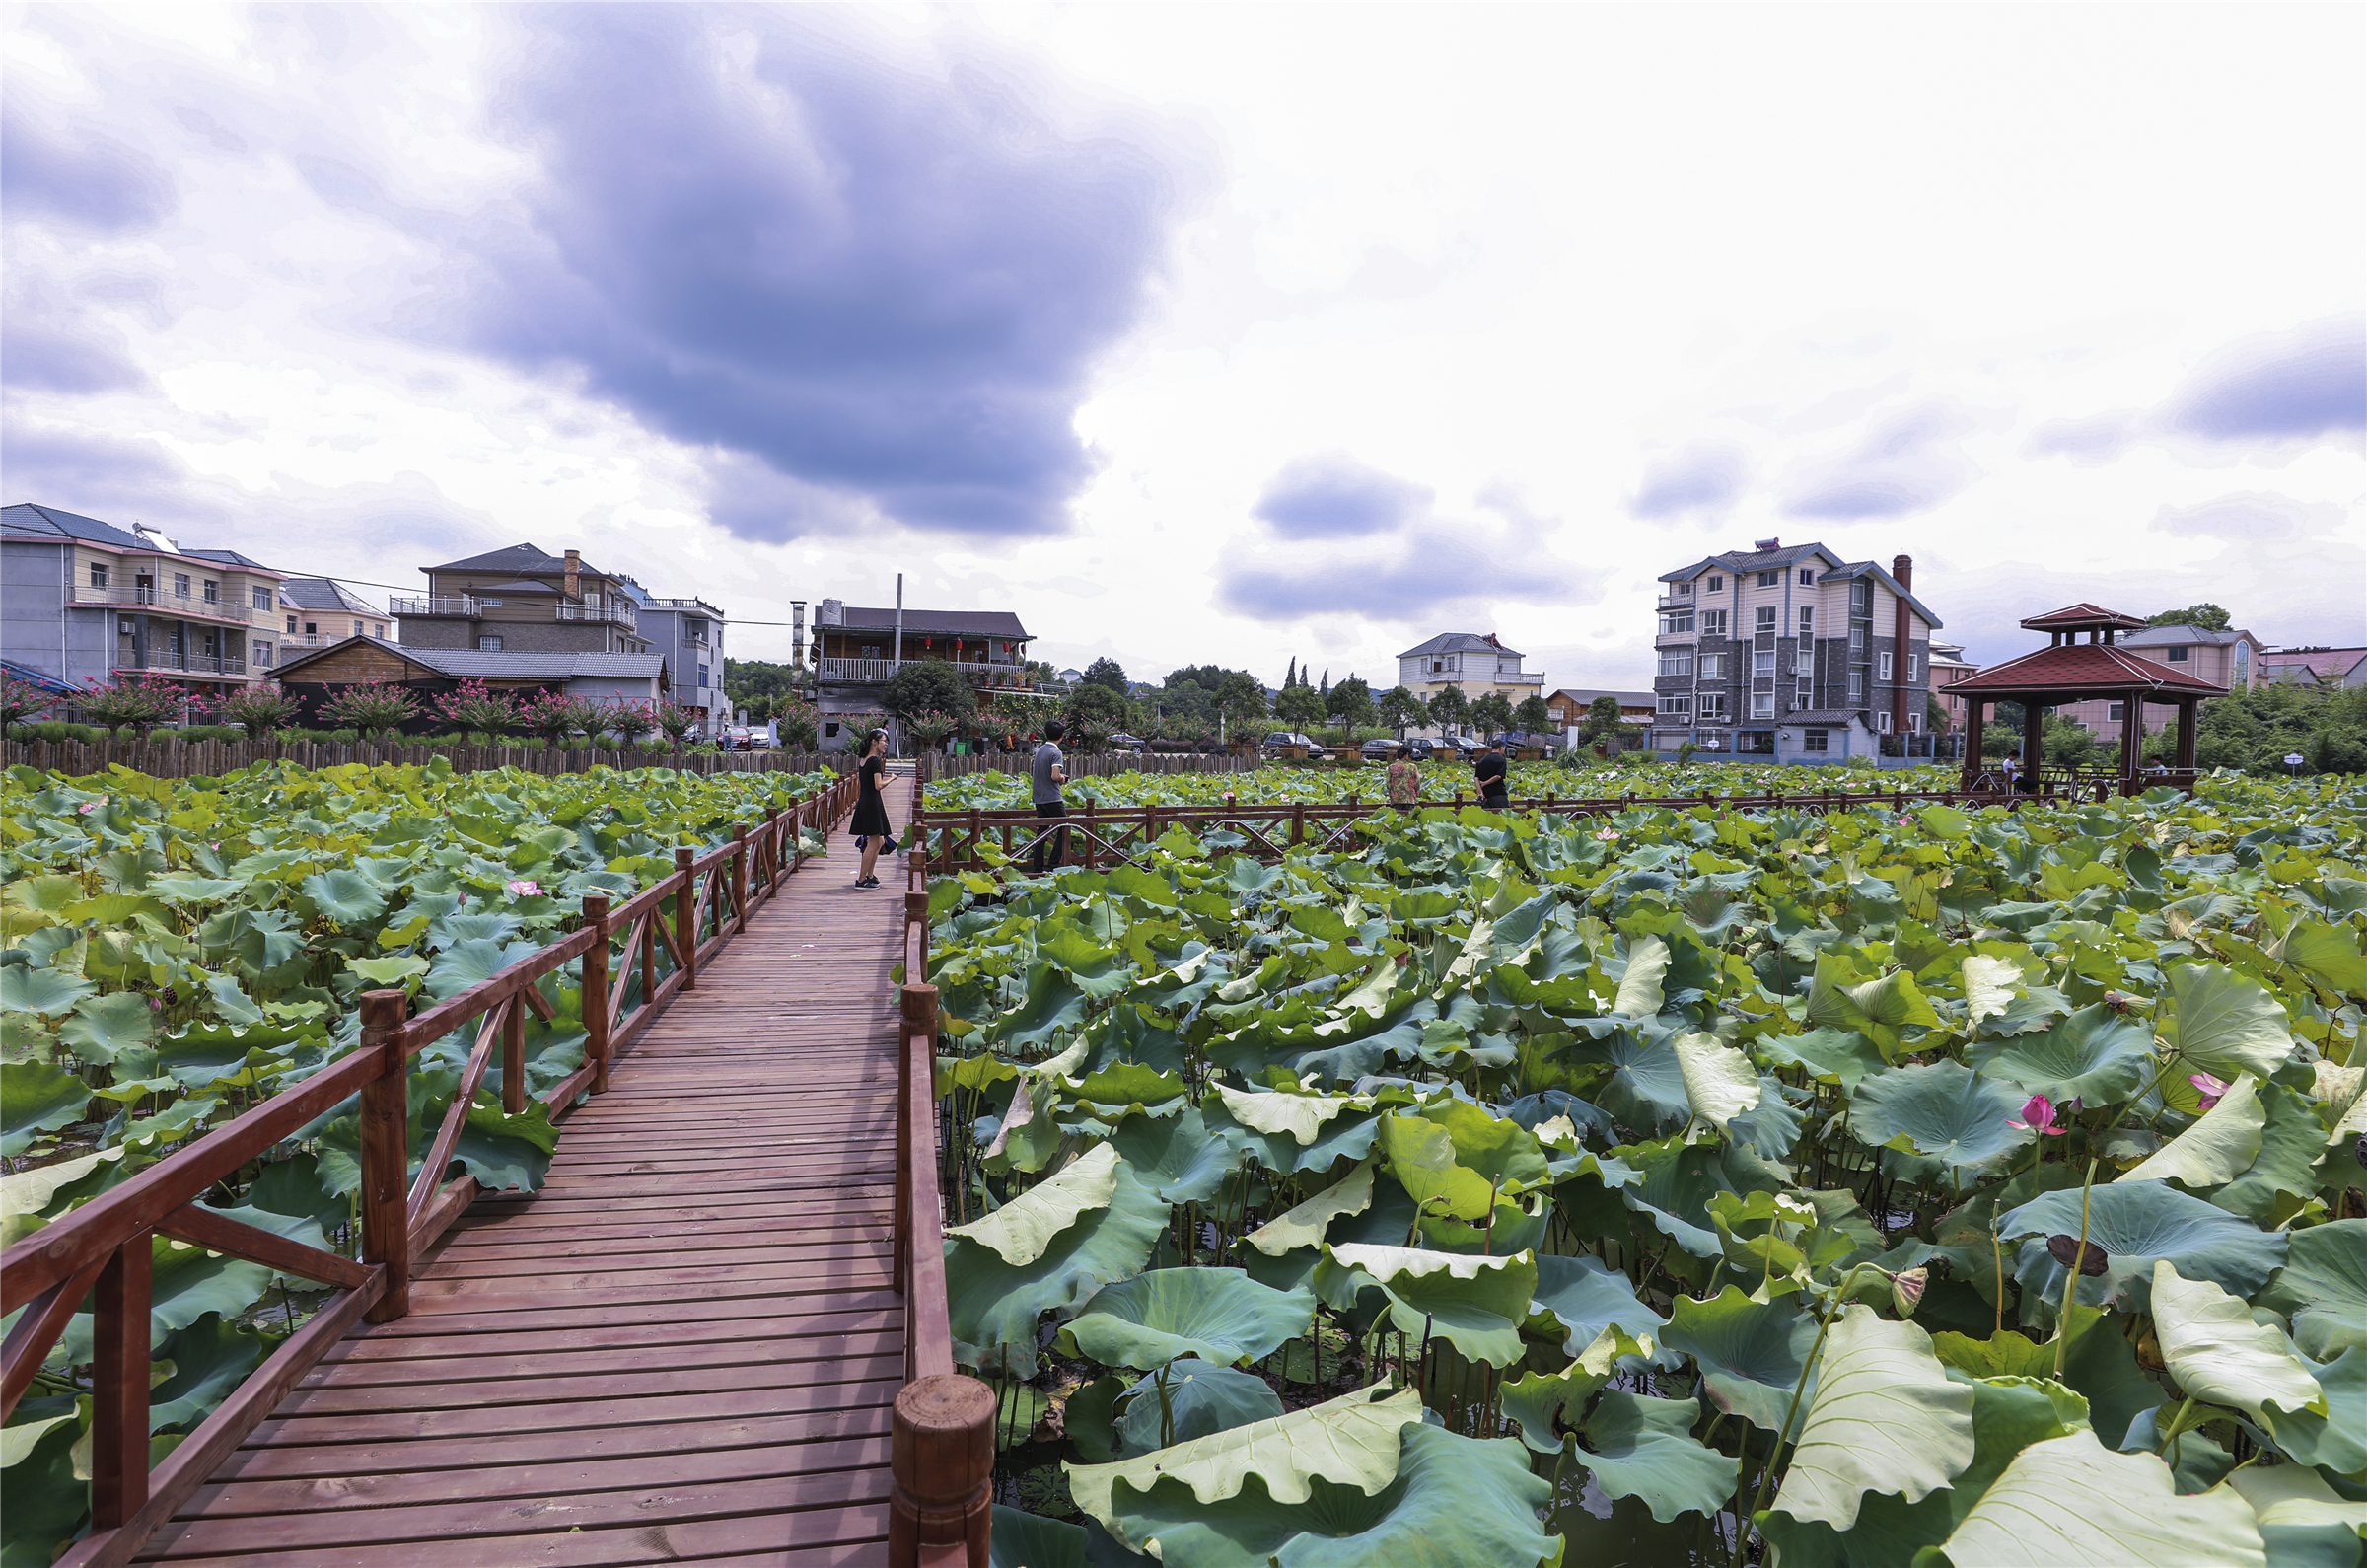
[
  {"x": 387, "y": 1154},
  {"x": 686, "y": 915},
  {"x": 941, "y": 1459},
  {"x": 739, "y": 878},
  {"x": 596, "y": 989},
  {"x": 918, "y": 1005},
  {"x": 119, "y": 1421},
  {"x": 513, "y": 1056}
]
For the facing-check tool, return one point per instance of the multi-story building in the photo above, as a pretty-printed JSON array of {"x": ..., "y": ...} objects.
[
  {"x": 1571, "y": 705},
  {"x": 688, "y": 632},
  {"x": 858, "y": 648},
  {"x": 2332, "y": 668},
  {"x": 81, "y": 599},
  {"x": 522, "y": 599},
  {"x": 2230, "y": 659},
  {"x": 1948, "y": 666},
  {"x": 1477, "y": 661},
  {"x": 319, "y": 612},
  {"x": 1792, "y": 652}
]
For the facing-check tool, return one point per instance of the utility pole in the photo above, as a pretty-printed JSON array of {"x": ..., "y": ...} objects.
[{"x": 899, "y": 623}]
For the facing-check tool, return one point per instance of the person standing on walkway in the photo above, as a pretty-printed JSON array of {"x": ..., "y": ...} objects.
[
  {"x": 872, "y": 829},
  {"x": 1404, "y": 780},
  {"x": 1051, "y": 772},
  {"x": 1491, "y": 771}
]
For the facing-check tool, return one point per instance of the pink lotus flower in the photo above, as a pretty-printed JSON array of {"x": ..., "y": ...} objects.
[
  {"x": 88, "y": 806},
  {"x": 2211, "y": 1088},
  {"x": 1609, "y": 835},
  {"x": 525, "y": 889},
  {"x": 2039, "y": 1116}
]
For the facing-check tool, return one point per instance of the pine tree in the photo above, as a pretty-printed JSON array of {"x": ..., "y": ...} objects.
[
  {"x": 1327, "y": 686},
  {"x": 1290, "y": 677}
]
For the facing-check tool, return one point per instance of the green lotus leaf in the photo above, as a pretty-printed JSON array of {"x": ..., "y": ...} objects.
[
  {"x": 1641, "y": 1446},
  {"x": 210, "y": 1358},
  {"x": 1942, "y": 1110},
  {"x": 1094, "y": 970},
  {"x": 1495, "y": 1148},
  {"x": 232, "y": 1004},
  {"x": 2335, "y": 1438},
  {"x": 1129, "y": 1085},
  {"x": 2331, "y": 955},
  {"x": 1021, "y": 1230},
  {"x": 2071, "y": 1500},
  {"x": 1301, "y": 1116},
  {"x": 1543, "y": 1402},
  {"x": 1750, "y": 1353},
  {"x": 1646, "y": 1087},
  {"x": 2227, "y": 1022},
  {"x": 191, "y": 889},
  {"x": 2217, "y": 1353},
  {"x": 35, "y": 1097},
  {"x": 472, "y": 962},
  {"x": 1452, "y": 1501},
  {"x": 1885, "y": 1418},
  {"x": 1351, "y": 1440},
  {"x": 344, "y": 898},
  {"x": 102, "y": 1026},
  {"x": 995, "y": 1303},
  {"x": 1577, "y": 1298},
  {"x": 1304, "y": 1224},
  {"x": 25, "y": 989},
  {"x": 503, "y": 1150},
  {"x": 1201, "y": 1401},
  {"x": 2304, "y": 1522},
  {"x": 1719, "y": 1081},
  {"x": 390, "y": 971},
  {"x": 2137, "y": 1224},
  {"x": 1476, "y": 1303},
  {"x": 1053, "y": 1007},
  {"x": 44, "y": 1501},
  {"x": 2286, "y": 1165},
  {"x": 1878, "y": 1009},
  {"x": 1836, "y": 1055},
  {"x": 1176, "y": 1156},
  {"x": 2098, "y": 1365},
  {"x": 2222, "y": 1143},
  {"x": 2323, "y": 1286},
  {"x": 1219, "y": 1315},
  {"x": 2095, "y": 1056},
  {"x": 1021, "y": 1539},
  {"x": 1679, "y": 1181},
  {"x": 1990, "y": 985},
  {"x": 1421, "y": 1156},
  {"x": 1640, "y": 993}
]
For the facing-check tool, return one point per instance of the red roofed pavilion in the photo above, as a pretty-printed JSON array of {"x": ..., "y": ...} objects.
[{"x": 2069, "y": 670}]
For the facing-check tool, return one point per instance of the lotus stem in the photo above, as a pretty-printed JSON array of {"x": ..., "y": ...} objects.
[
  {"x": 2079, "y": 1259},
  {"x": 1997, "y": 1250},
  {"x": 2177, "y": 1429},
  {"x": 1742, "y": 1525}
]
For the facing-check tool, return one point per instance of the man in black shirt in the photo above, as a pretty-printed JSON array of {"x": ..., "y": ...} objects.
[
  {"x": 1491, "y": 771},
  {"x": 1050, "y": 771}
]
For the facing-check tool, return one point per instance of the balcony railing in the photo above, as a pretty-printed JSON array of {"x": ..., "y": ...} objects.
[
  {"x": 192, "y": 664},
  {"x": 466, "y": 606},
  {"x": 997, "y": 673},
  {"x": 170, "y": 604},
  {"x": 686, "y": 603},
  {"x": 617, "y": 611},
  {"x": 1675, "y": 601},
  {"x": 309, "y": 639}
]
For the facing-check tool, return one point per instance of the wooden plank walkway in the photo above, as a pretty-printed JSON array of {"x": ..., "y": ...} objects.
[{"x": 683, "y": 1349}]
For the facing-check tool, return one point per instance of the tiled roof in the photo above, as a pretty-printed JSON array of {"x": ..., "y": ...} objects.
[
  {"x": 516, "y": 558},
  {"x": 1822, "y": 716},
  {"x": 1460, "y": 642},
  {"x": 933, "y": 622},
  {"x": 1856, "y": 569},
  {"x": 229, "y": 558},
  {"x": 2080, "y": 617},
  {"x": 322, "y": 593},
  {"x": 1630, "y": 699},
  {"x": 25, "y": 521},
  {"x": 496, "y": 664},
  {"x": 1753, "y": 560},
  {"x": 2327, "y": 664},
  {"x": 2182, "y": 637},
  {"x": 2084, "y": 667}
]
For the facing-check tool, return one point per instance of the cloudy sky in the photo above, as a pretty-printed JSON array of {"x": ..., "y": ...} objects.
[{"x": 1208, "y": 333}]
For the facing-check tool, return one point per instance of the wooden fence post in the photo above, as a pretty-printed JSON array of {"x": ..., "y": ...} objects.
[
  {"x": 918, "y": 1012},
  {"x": 596, "y": 989},
  {"x": 387, "y": 1154},
  {"x": 686, "y": 915},
  {"x": 941, "y": 1459},
  {"x": 739, "y": 879},
  {"x": 119, "y": 1426}
]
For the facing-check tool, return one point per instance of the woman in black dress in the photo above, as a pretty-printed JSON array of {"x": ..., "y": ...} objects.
[{"x": 871, "y": 825}]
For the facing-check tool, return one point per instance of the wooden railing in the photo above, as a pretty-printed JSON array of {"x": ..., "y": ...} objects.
[
  {"x": 934, "y": 766},
  {"x": 103, "y": 1250},
  {"x": 167, "y": 758},
  {"x": 1100, "y": 838},
  {"x": 941, "y": 1444}
]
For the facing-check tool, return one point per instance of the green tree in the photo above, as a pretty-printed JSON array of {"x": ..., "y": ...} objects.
[
  {"x": 372, "y": 707},
  {"x": 131, "y": 701},
  {"x": 1400, "y": 709},
  {"x": 2210, "y": 618},
  {"x": 1290, "y": 677},
  {"x": 1107, "y": 673},
  {"x": 1094, "y": 703},
  {"x": 1601, "y": 721},
  {"x": 1301, "y": 707},
  {"x": 1240, "y": 700},
  {"x": 1450, "y": 709},
  {"x": 22, "y": 699},
  {"x": 762, "y": 688},
  {"x": 1533, "y": 716},
  {"x": 1350, "y": 703},
  {"x": 257, "y": 709},
  {"x": 927, "y": 685},
  {"x": 1492, "y": 712}
]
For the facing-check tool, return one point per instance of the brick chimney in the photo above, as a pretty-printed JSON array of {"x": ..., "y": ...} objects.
[
  {"x": 1903, "y": 567},
  {"x": 575, "y": 573}
]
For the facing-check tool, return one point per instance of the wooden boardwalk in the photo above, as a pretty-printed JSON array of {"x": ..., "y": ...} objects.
[{"x": 685, "y": 1348}]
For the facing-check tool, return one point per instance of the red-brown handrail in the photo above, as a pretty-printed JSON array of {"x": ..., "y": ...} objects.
[
  {"x": 941, "y": 1444},
  {"x": 103, "y": 1249}
]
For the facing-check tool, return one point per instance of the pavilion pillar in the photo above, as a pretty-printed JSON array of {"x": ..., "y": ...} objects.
[
  {"x": 2034, "y": 736},
  {"x": 2185, "y": 734},
  {"x": 1976, "y": 713},
  {"x": 2132, "y": 738}
]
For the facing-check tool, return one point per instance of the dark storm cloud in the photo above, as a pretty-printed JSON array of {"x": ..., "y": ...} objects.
[
  {"x": 887, "y": 279},
  {"x": 1909, "y": 462},
  {"x": 1336, "y": 497},
  {"x": 2310, "y": 381},
  {"x": 78, "y": 178},
  {"x": 1702, "y": 475}
]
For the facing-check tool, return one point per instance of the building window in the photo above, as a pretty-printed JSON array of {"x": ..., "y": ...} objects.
[
  {"x": 1770, "y": 579},
  {"x": 1676, "y": 707},
  {"x": 702, "y": 674},
  {"x": 1717, "y": 585},
  {"x": 488, "y": 645},
  {"x": 1674, "y": 621},
  {"x": 377, "y": 628},
  {"x": 263, "y": 655},
  {"x": 259, "y": 598},
  {"x": 1857, "y": 685},
  {"x": 181, "y": 584},
  {"x": 1713, "y": 623},
  {"x": 1913, "y": 667},
  {"x": 1884, "y": 660},
  {"x": 1812, "y": 739},
  {"x": 1676, "y": 662},
  {"x": 1681, "y": 591},
  {"x": 1762, "y": 666},
  {"x": 1766, "y": 619},
  {"x": 98, "y": 575},
  {"x": 2115, "y": 712},
  {"x": 1805, "y": 697},
  {"x": 1915, "y": 722},
  {"x": 1807, "y": 621},
  {"x": 2180, "y": 656},
  {"x": 1713, "y": 706},
  {"x": 1857, "y": 639},
  {"x": 1762, "y": 705},
  {"x": 1714, "y": 667},
  {"x": 1861, "y": 597},
  {"x": 1808, "y": 577},
  {"x": 1882, "y": 721},
  {"x": 311, "y": 628},
  {"x": 213, "y": 591},
  {"x": 291, "y": 625}
]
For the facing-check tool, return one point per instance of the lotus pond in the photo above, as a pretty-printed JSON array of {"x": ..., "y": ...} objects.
[
  {"x": 1441, "y": 781},
  {"x": 1676, "y": 1187},
  {"x": 178, "y": 950}
]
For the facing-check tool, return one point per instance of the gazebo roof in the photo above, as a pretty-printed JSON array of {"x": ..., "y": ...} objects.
[
  {"x": 2081, "y": 667},
  {"x": 2083, "y": 618}
]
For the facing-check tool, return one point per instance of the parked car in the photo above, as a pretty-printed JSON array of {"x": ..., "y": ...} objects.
[
  {"x": 1380, "y": 749},
  {"x": 1122, "y": 742},
  {"x": 1286, "y": 744}
]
